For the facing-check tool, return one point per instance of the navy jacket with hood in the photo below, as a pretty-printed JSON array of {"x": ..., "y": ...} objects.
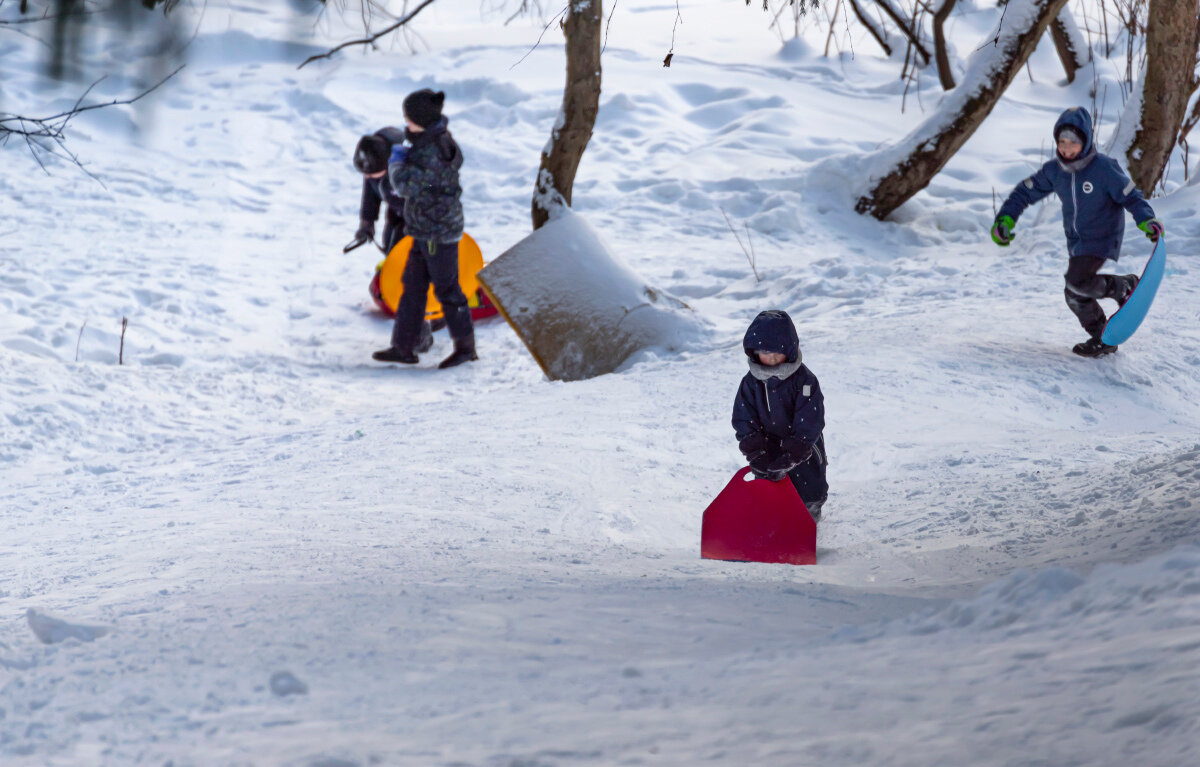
[
  {"x": 428, "y": 181},
  {"x": 377, "y": 191},
  {"x": 1094, "y": 190},
  {"x": 780, "y": 401}
]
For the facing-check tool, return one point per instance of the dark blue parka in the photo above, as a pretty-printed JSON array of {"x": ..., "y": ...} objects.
[
  {"x": 1094, "y": 190},
  {"x": 377, "y": 191},
  {"x": 428, "y": 181},
  {"x": 781, "y": 401}
]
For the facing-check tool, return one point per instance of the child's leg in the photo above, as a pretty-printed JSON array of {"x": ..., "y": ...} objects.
[
  {"x": 410, "y": 314},
  {"x": 1084, "y": 286},
  {"x": 809, "y": 479},
  {"x": 443, "y": 270}
]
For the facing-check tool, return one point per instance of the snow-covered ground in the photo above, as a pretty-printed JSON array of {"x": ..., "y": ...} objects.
[{"x": 250, "y": 545}]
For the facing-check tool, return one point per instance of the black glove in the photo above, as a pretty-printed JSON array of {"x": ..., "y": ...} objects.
[
  {"x": 753, "y": 444},
  {"x": 793, "y": 452},
  {"x": 780, "y": 466},
  {"x": 757, "y": 449},
  {"x": 365, "y": 234},
  {"x": 760, "y": 464},
  {"x": 798, "y": 448}
]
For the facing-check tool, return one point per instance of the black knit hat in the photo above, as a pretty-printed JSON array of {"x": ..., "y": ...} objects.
[
  {"x": 424, "y": 107},
  {"x": 372, "y": 153}
]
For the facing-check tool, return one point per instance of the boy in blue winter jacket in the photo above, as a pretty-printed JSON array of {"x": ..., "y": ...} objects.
[
  {"x": 426, "y": 176},
  {"x": 779, "y": 412},
  {"x": 1094, "y": 190}
]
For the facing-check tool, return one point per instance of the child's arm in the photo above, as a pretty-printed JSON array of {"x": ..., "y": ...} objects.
[
  {"x": 368, "y": 211},
  {"x": 1125, "y": 193},
  {"x": 752, "y": 440},
  {"x": 409, "y": 178},
  {"x": 809, "y": 419},
  {"x": 745, "y": 419},
  {"x": 1026, "y": 193}
]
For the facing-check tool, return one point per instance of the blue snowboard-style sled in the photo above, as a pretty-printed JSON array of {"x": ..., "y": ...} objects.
[{"x": 1127, "y": 319}]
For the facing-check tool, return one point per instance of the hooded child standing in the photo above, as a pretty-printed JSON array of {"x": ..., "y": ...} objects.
[
  {"x": 425, "y": 176},
  {"x": 371, "y": 158},
  {"x": 779, "y": 412},
  {"x": 1095, "y": 194}
]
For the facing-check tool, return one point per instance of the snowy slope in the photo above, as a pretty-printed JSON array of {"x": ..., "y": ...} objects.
[{"x": 482, "y": 567}]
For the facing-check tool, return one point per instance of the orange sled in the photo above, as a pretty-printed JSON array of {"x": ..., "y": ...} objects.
[
  {"x": 387, "y": 286},
  {"x": 757, "y": 520}
]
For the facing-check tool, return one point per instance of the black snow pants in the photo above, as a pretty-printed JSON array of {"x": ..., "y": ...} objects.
[
  {"x": 437, "y": 263},
  {"x": 1085, "y": 286},
  {"x": 809, "y": 477}
]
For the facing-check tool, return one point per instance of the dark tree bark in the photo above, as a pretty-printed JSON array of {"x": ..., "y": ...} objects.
[
  {"x": 989, "y": 72},
  {"x": 907, "y": 28},
  {"x": 1064, "y": 43},
  {"x": 941, "y": 55},
  {"x": 1171, "y": 43},
  {"x": 872, "y": 26},
  {"x": 581, "y": 104}
]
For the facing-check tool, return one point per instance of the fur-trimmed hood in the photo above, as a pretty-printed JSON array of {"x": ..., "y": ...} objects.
[{"x": 772, "y": 331}]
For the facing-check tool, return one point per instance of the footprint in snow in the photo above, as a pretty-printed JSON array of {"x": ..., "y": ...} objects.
[{"x": 52, "y": 630}]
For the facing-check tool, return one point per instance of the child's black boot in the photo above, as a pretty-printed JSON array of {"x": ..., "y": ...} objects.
[
  {"x": 392, "y": 354},
  {"x": 425, "y": 343},
  {"x": 1123, "y": 288},
  {"x": 464, "y": 351},
  {"x": 1093, "y": 347}
]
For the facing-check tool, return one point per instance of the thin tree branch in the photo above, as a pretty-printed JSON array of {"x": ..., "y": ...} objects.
[
  {"x": 370, "y": 40},
  {"x": 538, "y": 42},
  {"x": 34, "y": 130}
]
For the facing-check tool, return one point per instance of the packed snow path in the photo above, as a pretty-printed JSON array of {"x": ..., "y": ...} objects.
[{"x": 249, "y": 545}]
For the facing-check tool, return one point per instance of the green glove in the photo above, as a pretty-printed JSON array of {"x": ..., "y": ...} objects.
[
  {"x": 1153, "y": 229},
  {"x": 1002, "y": 231}
]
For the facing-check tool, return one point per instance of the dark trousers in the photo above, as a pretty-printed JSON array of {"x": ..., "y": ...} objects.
[
  {"x": 435, "y": 262},
  {"x": 1085, "y": 286},
  {"x": 809, "y": 477}
]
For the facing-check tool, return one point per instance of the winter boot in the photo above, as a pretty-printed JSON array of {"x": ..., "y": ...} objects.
[
  {"x": 464, "y": 351},
  {"x": 425, "y": 342},
  {"x": 392, "y": 354},
  {"x": 1093, "y": 347},
  {"x": 1125, "y": 289}
]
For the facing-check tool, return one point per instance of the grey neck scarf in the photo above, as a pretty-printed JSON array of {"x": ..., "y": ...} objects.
[
  {"x": 781, "y": 371},
  {"x": 1079, "y": 163}
]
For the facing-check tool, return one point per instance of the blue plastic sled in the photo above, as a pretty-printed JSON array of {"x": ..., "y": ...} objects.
[{"x": 1127, "y": 319}]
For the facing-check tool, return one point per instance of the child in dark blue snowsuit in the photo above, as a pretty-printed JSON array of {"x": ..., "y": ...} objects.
[
  {"x": 779, "y": 412},
  {"x": 426, "y": 176},
  {"x": 1095, "y": 194}
]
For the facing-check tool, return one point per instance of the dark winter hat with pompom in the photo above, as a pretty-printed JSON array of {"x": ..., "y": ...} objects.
[
  {"x": 424, "y": 107},
  {"x": 371, "y": 154}
]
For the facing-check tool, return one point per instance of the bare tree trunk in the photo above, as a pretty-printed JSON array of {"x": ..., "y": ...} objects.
[
  {"x": 1171, "y": 43},
  {"x": 1065, "y": 34},
  {"x": 910, "y": 31},
  {"x": 872, "y": 26},
  {"x": 939, "y": 44},
  {"x": 581, "y": 103},
  {"x": 990, "y": 69}
]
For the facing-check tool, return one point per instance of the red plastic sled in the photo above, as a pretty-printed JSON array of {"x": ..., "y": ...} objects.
[{"x": 759, "y": 521}]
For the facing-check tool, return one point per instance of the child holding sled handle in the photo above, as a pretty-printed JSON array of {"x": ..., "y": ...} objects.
[
  {"x": 1095, "y": 193},
  {"x": 779, "y": 412}
]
